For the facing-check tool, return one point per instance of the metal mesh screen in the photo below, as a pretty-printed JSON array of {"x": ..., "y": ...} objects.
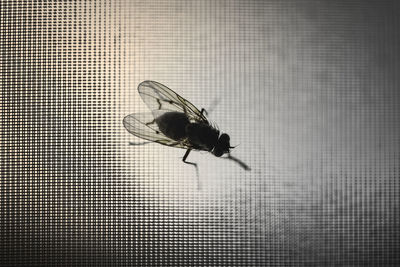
[{"x": 308, "y": 90}]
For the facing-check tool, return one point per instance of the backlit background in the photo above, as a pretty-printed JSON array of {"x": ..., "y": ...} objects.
[{"x": 308, "y": 90}]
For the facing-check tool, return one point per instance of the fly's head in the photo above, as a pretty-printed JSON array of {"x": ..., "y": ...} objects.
[{"x": 222, "y": 146}]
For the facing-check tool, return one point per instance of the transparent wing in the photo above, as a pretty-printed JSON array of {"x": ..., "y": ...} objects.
[
  {"x": 160, "y": 99},
  {"x": 144, "y": 126}
]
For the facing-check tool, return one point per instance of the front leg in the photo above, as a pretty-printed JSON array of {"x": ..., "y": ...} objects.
[{"x": 192, "y": 163}]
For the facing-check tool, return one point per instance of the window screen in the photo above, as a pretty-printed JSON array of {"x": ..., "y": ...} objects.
[{"x": 307, "y": 90}]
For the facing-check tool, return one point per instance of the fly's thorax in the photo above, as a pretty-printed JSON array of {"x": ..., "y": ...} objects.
[
  {"x": 202, "y": 135},
  {"x": 173, "y": 124}
]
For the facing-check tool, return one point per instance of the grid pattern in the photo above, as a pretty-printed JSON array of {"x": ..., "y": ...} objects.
[{"x": 308, "y": 89}]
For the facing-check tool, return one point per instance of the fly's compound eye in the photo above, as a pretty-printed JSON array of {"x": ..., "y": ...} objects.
[
  {"x": 224, "y": 138},
  {"x": 222, "y": 145}
]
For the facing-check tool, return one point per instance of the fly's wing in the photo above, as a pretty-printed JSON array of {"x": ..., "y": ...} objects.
[
  {"x": 160, "y": 99},
  {"x": 144, "y": 126}
]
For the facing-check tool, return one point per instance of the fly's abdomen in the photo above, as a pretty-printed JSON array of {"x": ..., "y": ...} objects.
[{"x": 173, "y": 124}]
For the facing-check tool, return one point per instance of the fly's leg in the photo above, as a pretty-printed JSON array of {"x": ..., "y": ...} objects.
[
  {"x": 159, "y": 104},
  {"x": 149, "y": 123},
  {"x": 153, "y": 121},
  {"x": 149, "y": 142},
  {"x": 139, "y": 143},
  {"x": 192, "y": 163}
]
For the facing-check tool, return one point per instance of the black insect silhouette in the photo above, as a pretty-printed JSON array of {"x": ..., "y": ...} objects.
[{"x": 174, "y": 121}]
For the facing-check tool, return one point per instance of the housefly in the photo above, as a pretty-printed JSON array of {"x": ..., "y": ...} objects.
[{"x": 174, "y": 121}]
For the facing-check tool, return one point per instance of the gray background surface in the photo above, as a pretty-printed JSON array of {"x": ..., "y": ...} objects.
[{"x": 308, "y": 90}]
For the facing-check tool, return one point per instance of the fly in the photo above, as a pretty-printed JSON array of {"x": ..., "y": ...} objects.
[{"x": 174, "y": 121}]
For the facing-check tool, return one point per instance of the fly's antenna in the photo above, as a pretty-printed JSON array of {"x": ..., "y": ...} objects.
[
  {"x": 233, "y": 146},
  {"x": 238, "y": 161}
]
